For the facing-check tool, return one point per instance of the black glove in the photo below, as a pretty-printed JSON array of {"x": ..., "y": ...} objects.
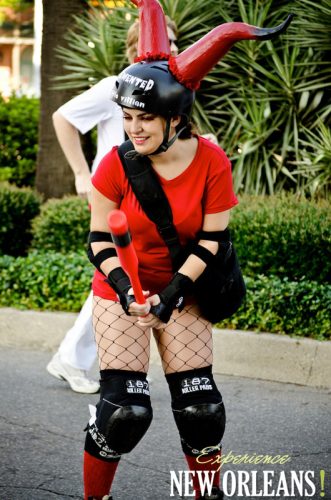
[
  {"x": 119, "y": 281},
  {"x": 172, "y": 297}
]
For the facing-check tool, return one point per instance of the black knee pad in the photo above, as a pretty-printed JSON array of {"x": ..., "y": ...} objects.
[
  {"x": 198, "y": 409},
  {"x": 123, "y": 414}
]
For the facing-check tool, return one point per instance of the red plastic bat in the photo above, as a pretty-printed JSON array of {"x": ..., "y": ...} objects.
[{"x": 119, "y": 229}]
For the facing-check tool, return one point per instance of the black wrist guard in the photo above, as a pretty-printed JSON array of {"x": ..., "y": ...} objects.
[
  {"x": 119, "y": 281},
  {"x": 172, "y": 297}
]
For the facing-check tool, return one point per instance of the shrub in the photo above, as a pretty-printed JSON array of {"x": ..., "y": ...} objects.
[
  {"x": 18, "y": 206},
  {"x": 281, "y": 306},
  {"x": 283, "y": 236},
  {"x": 62, "y": 226},
  {"x": 61, "y": 282},
  {"x": 274, "y": 235},
  {"x": 45, "y": 281},
  {"x": 19, "y": 139}
]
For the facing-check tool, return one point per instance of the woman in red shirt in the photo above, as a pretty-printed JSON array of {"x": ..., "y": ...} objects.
[{"x": 157, "y": 94}]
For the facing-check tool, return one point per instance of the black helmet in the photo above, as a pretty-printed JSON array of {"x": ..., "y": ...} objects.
[{"x": 151, "y": 87}]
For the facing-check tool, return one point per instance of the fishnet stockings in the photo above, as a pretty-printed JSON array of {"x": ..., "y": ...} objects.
[
  {"x": 122, "y": 344},
  {"x": 185, "y": 343}
]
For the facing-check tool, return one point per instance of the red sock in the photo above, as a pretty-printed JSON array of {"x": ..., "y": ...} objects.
[
  {"x": 209, "y": 463},
  {"x": 98, "y": 476}
]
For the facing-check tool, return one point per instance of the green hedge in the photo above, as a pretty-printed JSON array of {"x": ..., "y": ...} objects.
[
  {"x": 283, "y": 236},
  {"x": 61, "y": 282},
  {"x": 62, "y": 226},
  {"x": 275, "y": 235},
  {"x": 276, "y": 305},
  {"x": 19, "y": 139},
  {"x": 45, "y": 281},
  {"x": 17, "y": 209},
  {"x": 283, "y": 244}
]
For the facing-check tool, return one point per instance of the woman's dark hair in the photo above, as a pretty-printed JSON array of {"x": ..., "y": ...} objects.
[{"x": 187, "y": 132}]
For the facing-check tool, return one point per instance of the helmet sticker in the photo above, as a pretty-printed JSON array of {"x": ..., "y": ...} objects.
[
  {"x": 137, "y": 82},
  {"x": 130, "y": 101},
  {"x": 126, "y": 100}
]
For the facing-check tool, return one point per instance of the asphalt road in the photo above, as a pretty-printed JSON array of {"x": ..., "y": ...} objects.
[{"x": 42, "y": 422}]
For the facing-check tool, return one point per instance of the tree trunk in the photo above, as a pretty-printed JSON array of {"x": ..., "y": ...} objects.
[{"x": 54, "y": 176}]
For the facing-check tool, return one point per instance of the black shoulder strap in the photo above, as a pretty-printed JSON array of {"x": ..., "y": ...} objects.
[{"x": 151, "y": 197}]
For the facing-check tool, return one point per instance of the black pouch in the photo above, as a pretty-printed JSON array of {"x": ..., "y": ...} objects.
[{"x": 220, "y": 290}]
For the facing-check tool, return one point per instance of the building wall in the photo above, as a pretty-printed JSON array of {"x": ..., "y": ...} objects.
[
  {"x": 5, "y": 68},
  {"x": 16, "y": 54}
]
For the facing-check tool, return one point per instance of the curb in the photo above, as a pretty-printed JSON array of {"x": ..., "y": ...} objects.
[{"x": 263, "y": 356}]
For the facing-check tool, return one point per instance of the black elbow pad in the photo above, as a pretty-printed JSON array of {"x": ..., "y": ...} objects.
[{"x": 100, "y": 257}]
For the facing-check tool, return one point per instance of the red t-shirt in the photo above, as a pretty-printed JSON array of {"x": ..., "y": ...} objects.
[{"x": 205, "y": 187}]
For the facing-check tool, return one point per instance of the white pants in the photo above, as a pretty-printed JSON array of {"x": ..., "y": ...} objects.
[{"x": 78, "y": 347}]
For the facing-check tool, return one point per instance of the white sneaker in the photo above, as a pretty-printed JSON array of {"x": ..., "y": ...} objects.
[{"x": 78, "y": 380}]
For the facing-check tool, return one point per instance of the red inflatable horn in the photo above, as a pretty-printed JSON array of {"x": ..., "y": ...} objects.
[
  {"x": 194, "y": 63},
  {"x": 153, "y": 43},
  {"x": 119, "y": 229}
]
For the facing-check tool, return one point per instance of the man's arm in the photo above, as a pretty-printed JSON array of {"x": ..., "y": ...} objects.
[{"x": 68, "y": 137}]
